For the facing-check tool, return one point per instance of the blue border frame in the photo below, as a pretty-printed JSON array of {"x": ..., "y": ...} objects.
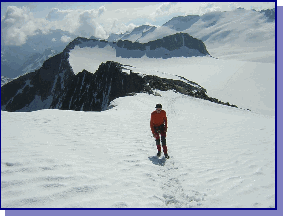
[
  {"x": 276, "y": 132},
  {"x": 278, "y": 210}
]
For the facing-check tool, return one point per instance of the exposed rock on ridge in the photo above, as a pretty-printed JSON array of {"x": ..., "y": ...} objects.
[
  {"x": 49, "y": 88},
  {"x": 40, "y": 89},
  {"x": 170, "y": 43},
  {"x": 94, "y": 92},
  {"x": 177, "y": 45}
]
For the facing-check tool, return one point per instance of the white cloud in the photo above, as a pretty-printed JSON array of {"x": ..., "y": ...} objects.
[
  {"x": 18, "y": 24},
  {"x": 233, "y": 6},
  {"x": 100, "y": 32},
  {"x": 118, "y": 27},
  {"x": 208, "y": 7},
  {"x": 66, "y": 39},
  {"x": 81, "y": 22},
  {"x": 101, "y": 10},
  {"x": 88, "y": 25},
  {"x": 53, "y": 39},
  {"x": 163, "y": 9},
  {"x": 129, "y": 27},
  {"x": 56, "y": 14}
]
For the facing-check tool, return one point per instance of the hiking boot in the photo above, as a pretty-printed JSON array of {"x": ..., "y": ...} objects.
[
  {"x": 167, "y": 156},
  {"x": 159, "y": 154}
]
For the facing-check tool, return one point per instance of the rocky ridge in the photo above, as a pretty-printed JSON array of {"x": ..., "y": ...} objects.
[
  {"x": 177, "y": 45},
  {"x": 55, "y": 86}
]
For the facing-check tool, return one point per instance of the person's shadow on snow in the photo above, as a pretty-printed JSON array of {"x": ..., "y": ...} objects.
[{"x": 158, "y": 161}]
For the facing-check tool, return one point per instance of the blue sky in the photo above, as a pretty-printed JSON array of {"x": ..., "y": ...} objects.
[{"x": 20, "y": 20}]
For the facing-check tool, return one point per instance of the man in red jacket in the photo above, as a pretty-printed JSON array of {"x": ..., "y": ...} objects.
[{"x": 158, "y": 124}]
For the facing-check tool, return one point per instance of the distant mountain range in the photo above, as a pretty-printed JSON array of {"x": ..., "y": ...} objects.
[
  {"x": 54, "y": 85},
  {"x": 182, "y": 22},
  {"x": 238, "y": 28},
  {"x": 134, "y": 35},
  {"x": 205, "y": 27},
  {"x": 32, "y": 63}
]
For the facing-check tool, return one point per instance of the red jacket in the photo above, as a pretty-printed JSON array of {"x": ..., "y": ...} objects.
[{"x": 158, "y": 119}]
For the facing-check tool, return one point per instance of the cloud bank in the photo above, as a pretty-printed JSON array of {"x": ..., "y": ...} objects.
[{"x": 18, "y": 24}]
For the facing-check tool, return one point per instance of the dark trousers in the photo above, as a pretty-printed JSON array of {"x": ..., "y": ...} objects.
[{"x": 160, "y": 130}]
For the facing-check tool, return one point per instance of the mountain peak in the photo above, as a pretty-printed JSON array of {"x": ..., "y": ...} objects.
[{"x": 181, "y": 23}]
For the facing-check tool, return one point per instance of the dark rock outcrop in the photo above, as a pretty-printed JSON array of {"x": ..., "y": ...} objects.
[
  {"x": 39, "y": 89},
  {"x": 177, "y": 45},
  {"x": 270, "y": 14},
  {"x": 183, "y": 86},
  {"x": 55, "y": 86},
  {"x": 94, "y": 92},
  {"x": 170, "y": 43}
]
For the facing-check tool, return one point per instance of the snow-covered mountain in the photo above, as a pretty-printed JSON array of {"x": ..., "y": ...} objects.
[
  {"x": 134, "y": 35},
  {"x": 44, "y": 88},
  {"x": 88, "y": 54},
  {"x": 36, "y": 61},
  {"x": 254, "y": 31},
  {"x": 181, "y": 23},
  {"x": 12, "y": 58},
  {"x": 214, "y": 27},
  {"x": 227, "y": 34},
  {"x": 240, "y": 27},
  {"x": 236, "y": 32}
]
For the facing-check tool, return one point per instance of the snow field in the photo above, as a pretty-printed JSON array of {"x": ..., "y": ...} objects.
[
  {"x": 221, "y": 157},
  {"x": 247, "y": 84}
]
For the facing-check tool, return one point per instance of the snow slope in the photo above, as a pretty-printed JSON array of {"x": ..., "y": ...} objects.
[
  {"x": 248, "y": 84},
  {"x": 221, "y": 157}
]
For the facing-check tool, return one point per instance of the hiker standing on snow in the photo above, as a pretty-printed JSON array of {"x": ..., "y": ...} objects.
[{"x": 158, "y": 124}]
